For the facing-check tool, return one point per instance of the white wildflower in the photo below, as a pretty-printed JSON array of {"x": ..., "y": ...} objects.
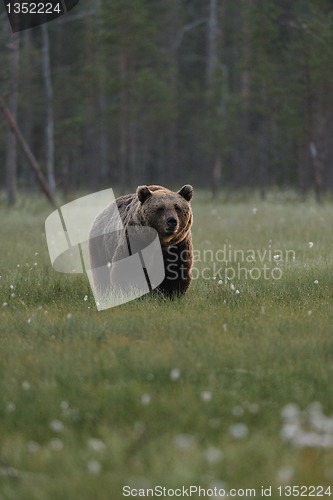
[
  {"x": 64, "y": 405},
  {"x": 213, "y": 455},
  {"x": 289, "y": 431},
  {"x": 56, "y": 444},
  {"x": 56, "y": 425},
  {"x": 290, "y": 412},
  {"x": 33, "y": 447},
  {"x": 238, "y": 430},
  {"x": 94, "y": 467},
  {"x": 238, "y": 411},
  {"x": 174, "y": 374},
  {"x": 10, "y": 406},
  {"x": 219, "y": 485},
  {"x": 309, "y": 428},
  {"x": 285, "y": 474},
  {"x": 145, "y": 399},
  {"x": 183, "y": 441},
  {"x": 253, "y": 408},
  {"x": 96, "y": 444},
  {"x": 206, "y": 396}
]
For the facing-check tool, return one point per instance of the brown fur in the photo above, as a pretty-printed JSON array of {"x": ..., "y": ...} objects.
[{"x": 151, "y": 206}]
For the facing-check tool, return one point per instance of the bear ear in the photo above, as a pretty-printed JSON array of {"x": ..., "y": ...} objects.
[
  {"x": 143, "y": 193},
  {"x": 186, "y": 192}
]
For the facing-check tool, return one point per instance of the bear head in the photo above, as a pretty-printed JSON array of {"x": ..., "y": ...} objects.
[{"x": 168, "y": 212}]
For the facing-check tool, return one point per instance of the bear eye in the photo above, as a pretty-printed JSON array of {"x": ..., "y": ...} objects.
[
  {"x": 178, "y": 209},
  {"x": 160, "y": 209}
]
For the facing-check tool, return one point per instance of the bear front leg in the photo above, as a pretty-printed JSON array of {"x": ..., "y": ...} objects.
[
  {"x": 178, "y": 264},
  {"x": 98, "y": 265}
]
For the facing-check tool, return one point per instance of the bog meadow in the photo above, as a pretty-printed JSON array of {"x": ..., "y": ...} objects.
[{"x": 227, "y": 387}]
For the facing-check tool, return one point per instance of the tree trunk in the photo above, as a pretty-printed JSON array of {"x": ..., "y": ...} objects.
[
  {"x": 146, "y": 140},
  {"x": 174, "y": 26},
  {"x": 211, "y": 42},
  {"x": 96, "y": 144},
  {"x": 243, "y": 153},
  {"x": 103, "y": 138},
  {"x": 311, "y": 151},
  {"x": 123, "y": 121},
  {"x": 27, "y": 151},
  {"x": 217, "y": 170},
  {"x": 301, "y": 166},
  {"x": 11, "y": 148},
  {"x": 133, "y": 172},
  {"x": 133, "y": 164},
  {"x": 211, "y": 64},
  {"x": 49, "y": 110},
  {"x": 27, "y": 109}
]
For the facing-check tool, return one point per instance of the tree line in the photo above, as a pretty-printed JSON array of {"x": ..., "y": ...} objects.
[{"x": 220, "y": 93}]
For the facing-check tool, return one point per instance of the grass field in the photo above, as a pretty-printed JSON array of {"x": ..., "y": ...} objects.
[{"x": 219, "y": 389}]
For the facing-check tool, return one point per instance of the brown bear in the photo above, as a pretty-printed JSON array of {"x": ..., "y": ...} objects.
[{"x": 168, "y": 212}]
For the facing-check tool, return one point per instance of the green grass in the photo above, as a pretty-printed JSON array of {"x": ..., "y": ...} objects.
[{"x": 108, "y": 375}]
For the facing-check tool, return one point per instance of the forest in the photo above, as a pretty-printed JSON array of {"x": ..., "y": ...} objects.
[
  {"x": 230, "y": 386},
  {"x": 223, "y": 94}
]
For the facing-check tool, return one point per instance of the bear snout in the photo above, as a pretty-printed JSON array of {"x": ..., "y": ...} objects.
[{"x": 171, "y": 224}]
